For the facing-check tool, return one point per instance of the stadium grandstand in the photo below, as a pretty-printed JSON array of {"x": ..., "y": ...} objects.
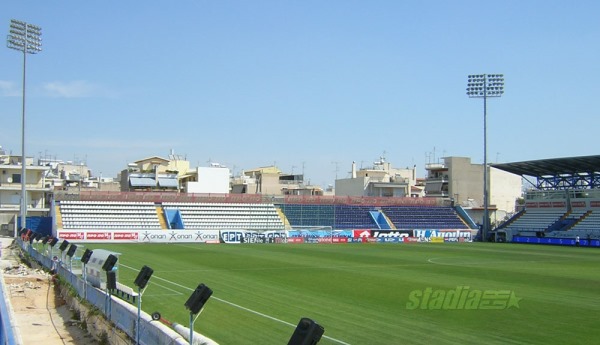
[
  {"x": 106, "y": 215},
  {"x": 563, "y": 208}
]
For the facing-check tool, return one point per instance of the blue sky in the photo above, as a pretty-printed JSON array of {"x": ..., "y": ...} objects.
[{"x": 307, "y": 85}]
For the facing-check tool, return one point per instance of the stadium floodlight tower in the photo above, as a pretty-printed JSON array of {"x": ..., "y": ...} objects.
[
  {"x": 25, "y": 38},
  {"x": 484, "y": 86}
]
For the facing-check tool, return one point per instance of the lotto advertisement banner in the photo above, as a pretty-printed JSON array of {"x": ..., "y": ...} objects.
[
  {"x": 416, "y": 235},
  {"x": 397, "y": 234}
]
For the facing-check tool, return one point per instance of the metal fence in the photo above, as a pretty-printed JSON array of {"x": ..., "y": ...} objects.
[{"x": 122, "y": 314}]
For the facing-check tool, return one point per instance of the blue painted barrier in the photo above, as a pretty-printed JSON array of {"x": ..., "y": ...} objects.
[
  {"x": 7, "y": 336},
  {"x": 555, "y": 241}
]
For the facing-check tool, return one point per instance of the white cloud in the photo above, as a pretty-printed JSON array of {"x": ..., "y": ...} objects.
[
  {"x": 74, "y": 89},
  {"x": 9, "y": 89}
]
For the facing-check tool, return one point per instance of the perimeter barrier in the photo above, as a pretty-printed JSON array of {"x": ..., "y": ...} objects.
[
  {"x": 8, "y": 336},
  {"x": 122, "y": 314}
]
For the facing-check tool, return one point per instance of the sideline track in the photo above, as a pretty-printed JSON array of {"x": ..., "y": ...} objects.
[{"x": 238, "y": 306}]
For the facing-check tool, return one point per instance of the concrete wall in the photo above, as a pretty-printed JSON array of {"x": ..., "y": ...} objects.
[
  {"x": 210, "y": 180},
  {"x": 465, "y": 180},
  {"x": 351, "y": 186},
  {"x": 8, "y": 334},
  {"x": 505, "y": 188}
]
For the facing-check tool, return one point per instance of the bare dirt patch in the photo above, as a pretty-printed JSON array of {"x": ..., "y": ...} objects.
[{"x": 40, "y": 313}]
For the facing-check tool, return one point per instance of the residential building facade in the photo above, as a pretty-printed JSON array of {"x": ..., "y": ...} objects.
[
  {"x": 461, "y": 181},
  {"x": 380, "y": 180},
  {"x": 36, "y": 190}
]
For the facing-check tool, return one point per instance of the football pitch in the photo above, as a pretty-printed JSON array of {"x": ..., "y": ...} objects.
[{"x": 375, "y": 293}]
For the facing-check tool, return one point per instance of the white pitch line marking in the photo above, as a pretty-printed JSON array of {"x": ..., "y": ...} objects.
[
  {"x": 163, "y": 294},
  {"x": 175, "y": 292},
  {"x": 436, "y": 260},
  {"x": 340, "y": 267},
  {"x": 239, "y": 306}
]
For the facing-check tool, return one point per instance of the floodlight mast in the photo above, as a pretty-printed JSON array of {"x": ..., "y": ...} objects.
[
  {"x": 484, "y": 86},
  {"x": 25, "y": 38}
]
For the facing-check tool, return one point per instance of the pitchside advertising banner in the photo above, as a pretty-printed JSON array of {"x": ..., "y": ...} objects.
[
  {"x": 417, "y": 235},
  {"x": 557, "y": 241},
  {"x": 164, "y": 236},
  {"x": 175, "y": 236},
  {"x": 249, "y": 236}
]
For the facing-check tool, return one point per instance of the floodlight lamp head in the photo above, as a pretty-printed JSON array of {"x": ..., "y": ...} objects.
[
  {"x": 17, "y": 22},
  {"x": 53, "y": 241},
  {"x": 485, "y": 85},
  {"x": 307, "y": 332},
  {"x": 24, "y": 37},
  {"x": 63, "y": 245},
  {"x": 198, "y": 298},
  {"x": 20, "y": 27},
  {"x": 143, "y": 277},
  {"x": 109, "y": 263},
  {"x": 72, "y": 250},
  {"x": 85, "y": 258}
]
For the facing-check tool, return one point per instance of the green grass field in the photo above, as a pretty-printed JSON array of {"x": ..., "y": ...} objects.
[{"x": 374, "y": 293}]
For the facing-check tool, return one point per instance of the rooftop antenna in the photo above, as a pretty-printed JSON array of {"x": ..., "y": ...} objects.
[{"x": 336, "y": 168}]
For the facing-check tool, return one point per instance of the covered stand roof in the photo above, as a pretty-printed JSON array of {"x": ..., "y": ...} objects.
[{"x": 559, "y": 173}]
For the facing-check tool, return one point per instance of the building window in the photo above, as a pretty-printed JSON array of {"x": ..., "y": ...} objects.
[{"x": 16, "y": 178}]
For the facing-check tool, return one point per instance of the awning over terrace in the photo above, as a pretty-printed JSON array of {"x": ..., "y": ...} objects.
[
  {"x": 142, "y": 182},
  {"x": 168, "y": 182}
]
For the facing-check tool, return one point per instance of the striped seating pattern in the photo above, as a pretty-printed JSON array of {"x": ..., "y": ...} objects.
[
  {"x": 209, "y": 216},
  {"x": 108, "y": 215}
]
